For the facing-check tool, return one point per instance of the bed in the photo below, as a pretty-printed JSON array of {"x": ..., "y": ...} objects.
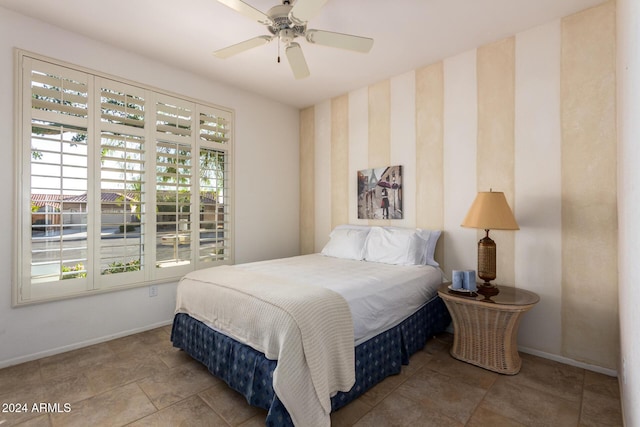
[{"x": 303, "y": 336}]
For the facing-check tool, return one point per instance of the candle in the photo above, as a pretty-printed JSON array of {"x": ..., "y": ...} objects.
[
  {"x": 457, "y": 279},
  {"x": 469, "y": 280}
]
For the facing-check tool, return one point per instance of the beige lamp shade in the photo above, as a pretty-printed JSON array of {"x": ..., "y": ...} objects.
[{"x": 490, "y": 211}]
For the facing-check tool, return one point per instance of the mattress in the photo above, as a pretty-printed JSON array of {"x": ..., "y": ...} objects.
[{"x": 379, "y": 295}]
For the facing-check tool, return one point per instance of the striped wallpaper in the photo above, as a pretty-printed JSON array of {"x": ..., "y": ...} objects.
[{"x": 533, "y": 116}]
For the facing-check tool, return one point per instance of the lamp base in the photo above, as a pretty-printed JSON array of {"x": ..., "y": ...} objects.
[
  {"x": 488, "y": 290},
  {"x": 487, "y": 259}
]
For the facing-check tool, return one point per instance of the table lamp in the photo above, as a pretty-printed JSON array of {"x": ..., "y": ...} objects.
[{"x": 489, "y": 211}]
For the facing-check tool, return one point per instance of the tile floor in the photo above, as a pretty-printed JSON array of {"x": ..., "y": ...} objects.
[{"x": 140, "y": 380}]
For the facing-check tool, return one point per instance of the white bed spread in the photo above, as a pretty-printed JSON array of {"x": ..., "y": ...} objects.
[
  {"x": 380, "y": 296},
  {"x": 306, "y": 328}
]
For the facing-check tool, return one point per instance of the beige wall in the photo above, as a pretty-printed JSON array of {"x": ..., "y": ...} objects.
[
  {"x": 589, "y": 209},
  {"x": 531, "y": 115},
  {"x": 307, "y": 181},
  {"x": 496, "y": 137}
]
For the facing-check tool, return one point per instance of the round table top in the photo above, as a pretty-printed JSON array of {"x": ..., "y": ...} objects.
[{"x": 508, "y": 295}]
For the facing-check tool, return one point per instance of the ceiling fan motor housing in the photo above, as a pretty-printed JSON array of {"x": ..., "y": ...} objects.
[{"x": 282, "y": 26}]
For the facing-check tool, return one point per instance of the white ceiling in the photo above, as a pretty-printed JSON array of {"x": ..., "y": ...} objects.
[{"x": 408, "y": 34}]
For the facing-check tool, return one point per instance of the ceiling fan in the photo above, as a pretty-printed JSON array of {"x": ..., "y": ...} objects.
[{"x": 286, "y": 22}]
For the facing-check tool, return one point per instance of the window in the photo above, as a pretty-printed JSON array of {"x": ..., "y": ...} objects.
[{"x": 121, "y": 185}]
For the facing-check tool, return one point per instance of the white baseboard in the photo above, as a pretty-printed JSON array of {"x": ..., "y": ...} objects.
[
  {"x": 81, "y": 344},
  {"x": 567, "y": 361}
]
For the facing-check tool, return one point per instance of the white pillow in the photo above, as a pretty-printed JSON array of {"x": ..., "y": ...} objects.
[
  {"x": 346, "y": 242},
  {"x": 393, "y": 245},
  {"x": 431, "y": 238}
]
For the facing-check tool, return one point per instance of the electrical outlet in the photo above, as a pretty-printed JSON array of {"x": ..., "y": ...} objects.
[{"x": 153, "y": 291}]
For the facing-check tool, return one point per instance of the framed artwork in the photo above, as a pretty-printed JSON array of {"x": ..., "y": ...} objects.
[{"x": 380, "y": 193}]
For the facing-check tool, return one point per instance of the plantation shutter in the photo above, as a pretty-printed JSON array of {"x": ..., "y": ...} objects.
[
  {"x": 175, "y": 120},
  {"x": 214, "y": 131},
  {"x": 55, "y": 235},
  {"x": 122, "y": 187}
]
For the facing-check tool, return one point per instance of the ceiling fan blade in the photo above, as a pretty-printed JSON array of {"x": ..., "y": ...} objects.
[
  {"x": 296, "y": 61},
  {"x": 247, "y": 10},
  {"x": 304, "y": 10},
  {"x": 339, "y": 40},
  {"x": 242, "y": 46}
]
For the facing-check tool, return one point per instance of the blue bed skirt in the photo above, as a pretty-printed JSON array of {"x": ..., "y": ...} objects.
[{"x": 250, "y": 373}]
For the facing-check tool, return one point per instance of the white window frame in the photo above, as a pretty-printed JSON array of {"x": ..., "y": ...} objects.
[{"x": 25, "y": 292}]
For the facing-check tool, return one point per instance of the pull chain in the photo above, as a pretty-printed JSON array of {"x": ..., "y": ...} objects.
[{"x": 278, "y": 51}]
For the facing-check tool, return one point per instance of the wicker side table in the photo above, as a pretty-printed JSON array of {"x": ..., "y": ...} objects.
[{"x": 486, "y": 331}]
